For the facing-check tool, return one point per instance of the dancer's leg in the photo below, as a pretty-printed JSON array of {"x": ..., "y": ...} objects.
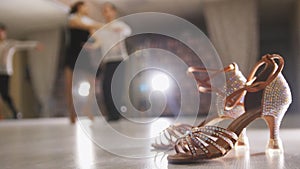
[{"x": 68, "y": 77}]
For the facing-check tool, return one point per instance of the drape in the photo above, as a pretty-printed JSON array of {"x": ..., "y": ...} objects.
[
  {"x": 43, "y": 65},
  {"x": 233, "y": 29}
]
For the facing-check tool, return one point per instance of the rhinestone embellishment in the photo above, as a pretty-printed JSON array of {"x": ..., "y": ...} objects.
[
  {"x": 235, "y": 80},
  {"x": 210, "y": 135},
  {"x": 277, "y": 97}
]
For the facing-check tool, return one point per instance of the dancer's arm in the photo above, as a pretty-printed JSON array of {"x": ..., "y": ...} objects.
[
  {"x": 90, "y": 25},
  {"x": 123, "y": 28},
  {"x": 21, "y": 45}
]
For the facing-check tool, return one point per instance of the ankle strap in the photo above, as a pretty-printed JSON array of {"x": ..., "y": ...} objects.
[
  {"x": 203, "y": 84},
  {"x": 252, "y": 86}
]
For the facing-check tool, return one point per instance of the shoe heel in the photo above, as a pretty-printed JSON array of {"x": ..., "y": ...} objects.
[
  {"x": 242, "y": 141},
  {"x": 274, "y": 143}
]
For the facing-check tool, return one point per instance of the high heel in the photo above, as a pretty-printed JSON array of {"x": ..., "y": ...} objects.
[
  {"x": 211, "y": 141},
  {"x": 274, "y": 142},
  {"x": 234, "y": 80}
]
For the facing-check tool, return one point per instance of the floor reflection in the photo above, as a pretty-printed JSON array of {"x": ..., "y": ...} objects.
[
  {"x": 160, "y": 160},
  {"x": 159, "y": 125},
  {"x": 85, "y": 151},
  {"x": 242, "y": 157},
  {"x": 275, "y": 159},
  {"x": 53, "y": 143}
]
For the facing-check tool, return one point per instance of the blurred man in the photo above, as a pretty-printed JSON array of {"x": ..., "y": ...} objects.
[{"x": 7, "y": 51}]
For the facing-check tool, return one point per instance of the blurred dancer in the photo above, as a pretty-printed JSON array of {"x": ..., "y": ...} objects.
[
  {"x": 114, "y": 30},
  {"x": 7, "y": 51},
  {"x": 80, "y": 27}
]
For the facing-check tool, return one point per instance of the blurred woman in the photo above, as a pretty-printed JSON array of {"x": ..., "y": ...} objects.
[{"x": 80, "y": 28}]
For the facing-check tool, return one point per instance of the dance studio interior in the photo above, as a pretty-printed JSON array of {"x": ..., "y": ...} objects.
[{"x": 169, "y": 84}]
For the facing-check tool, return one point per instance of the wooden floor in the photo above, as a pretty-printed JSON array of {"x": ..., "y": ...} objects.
[{"x": 55, "y": 144}]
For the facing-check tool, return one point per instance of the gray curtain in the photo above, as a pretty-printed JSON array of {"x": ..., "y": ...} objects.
[
  {"x": 43, "y": 66},
  {"x": 233, "y": 29}
]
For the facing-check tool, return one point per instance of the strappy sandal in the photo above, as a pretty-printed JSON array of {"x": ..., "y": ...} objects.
[
  {"x": 211, "y": 141},
  {"x": 234, "y": 80}
]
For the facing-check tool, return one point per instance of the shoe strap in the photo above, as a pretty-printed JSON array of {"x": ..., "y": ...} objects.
[
  {"x": 204, "y": 85},
  {"x": 252, "y": 86}
]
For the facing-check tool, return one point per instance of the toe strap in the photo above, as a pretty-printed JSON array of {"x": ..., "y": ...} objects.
[
  {"x": 169, "y": 135},
  {"x": 207, "y": 141}
]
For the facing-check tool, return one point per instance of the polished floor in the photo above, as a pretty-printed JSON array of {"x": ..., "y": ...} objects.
[{"x": 54, "y": 144}]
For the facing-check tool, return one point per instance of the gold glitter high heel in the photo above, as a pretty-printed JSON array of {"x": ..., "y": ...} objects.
[
  {"x": 234, "y": 81},
  {"x": 212, "y": 141}
]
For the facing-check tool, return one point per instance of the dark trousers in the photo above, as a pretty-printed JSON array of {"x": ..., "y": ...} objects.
[
  {"x": 4, "y": 91},
  {"x": 112, "y": 111}
]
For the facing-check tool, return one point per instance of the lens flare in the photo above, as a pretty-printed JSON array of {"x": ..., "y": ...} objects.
[
  {"x": 160, "y": 82},
  {"x": 84, "y": 89}
]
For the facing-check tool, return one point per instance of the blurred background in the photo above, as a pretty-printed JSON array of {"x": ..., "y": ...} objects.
[{"x": 241, "y": 31}]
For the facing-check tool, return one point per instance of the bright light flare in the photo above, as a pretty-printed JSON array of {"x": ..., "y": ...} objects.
[
  {"x": 84, "y": 89},
  {"x": 160, "y": 82}
]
